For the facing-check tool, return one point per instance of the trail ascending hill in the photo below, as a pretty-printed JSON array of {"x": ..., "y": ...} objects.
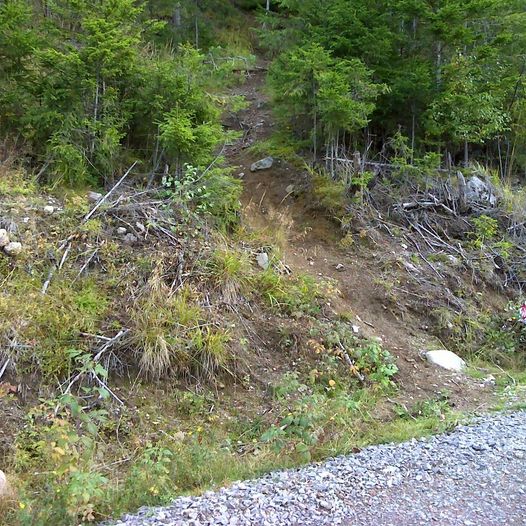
[{"x": 275, "y": 199}]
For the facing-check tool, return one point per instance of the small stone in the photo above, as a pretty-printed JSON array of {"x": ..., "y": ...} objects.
[
  {"x": 14, "y": 248},
  {"x": 140, "y": 227},
  {"x": 130, "y": 239},
  {"x": 93, "y": 197},
  {"x": 355, "y": 329},
  {"x": 241, "y": 175},
  {"x": 48, "y": 209},
  {"x": 121, "y": 231},
  {"x": 263, "y": 260},
  {"x": 4, "y": 237},
  {"x": 290, "y": 188},
  {"x": 5, "y": 490},
  {"x": 262, "y": 164},
  {"x": 446, "y": 359},
  {"x": 340, "y": 267}
]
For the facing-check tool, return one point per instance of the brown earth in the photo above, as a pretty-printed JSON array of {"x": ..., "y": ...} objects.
[{"x": 279, "y": 197}]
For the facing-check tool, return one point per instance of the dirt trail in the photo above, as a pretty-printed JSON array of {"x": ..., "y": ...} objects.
[{"x": 312, "y": 248}]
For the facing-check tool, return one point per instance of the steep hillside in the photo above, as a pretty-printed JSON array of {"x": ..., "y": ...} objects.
[
  {"x": 147, "y": 355},
  {"x": 223, "y": 261}
]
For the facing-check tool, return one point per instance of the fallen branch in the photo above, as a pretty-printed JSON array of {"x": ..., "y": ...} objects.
[
  {"x": 103, "y": 199},
  {"x": 4, "y": 367},
  {"x": 96, "y": 358}
]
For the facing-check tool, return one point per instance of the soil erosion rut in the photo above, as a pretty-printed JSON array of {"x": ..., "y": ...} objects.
[{"x": 312, "y": 247}]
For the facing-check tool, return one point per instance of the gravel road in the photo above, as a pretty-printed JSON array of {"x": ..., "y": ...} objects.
[{"x": 474, "y": 476}]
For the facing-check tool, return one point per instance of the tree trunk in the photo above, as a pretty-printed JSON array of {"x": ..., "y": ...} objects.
[
  {"x": 176, "y": 16},
  {"x": 413, "y": 133},
  {"x": 462, "y": 202},
  {"x": 466, "y": 153},
  {"x": 196, "y": 25},
  {"x": 439, "y": 65}
]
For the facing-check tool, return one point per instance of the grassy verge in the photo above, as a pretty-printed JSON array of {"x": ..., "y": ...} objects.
[{"x": 187, "y": 442}]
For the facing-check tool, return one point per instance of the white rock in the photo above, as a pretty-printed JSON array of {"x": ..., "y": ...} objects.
[
  {"x": 355, "y": 329},
  {"x": 262, "y": 164},
  {"x": 121, "y": 231},
  {"x": 479, "y": 191},
  {"x": 13, "y": 248},
  {"x": 93, "y": 197},
  {"x": 446, "y": 359},
  {"x": 48, "y": 209},
  {"x": 262, "y": 259},
  {"x": 5, "y": 490},
  {"x": 339, "y": 267},
  {"x": 4, "y": 237}
]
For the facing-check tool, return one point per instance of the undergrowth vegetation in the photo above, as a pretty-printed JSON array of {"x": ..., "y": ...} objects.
[
  {"x": 91, "y": 329},
  {"x": 152, "y": 345},
  {"x": 84, "y": 474}
]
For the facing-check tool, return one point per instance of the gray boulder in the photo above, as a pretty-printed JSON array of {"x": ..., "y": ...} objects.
[
  {"x": 263, "y": 260},
  {"x": 130, "y": 239},
  {"x": 93, "y": 197},
  {"x": 5, "y": 490},
  {"x": 4, "y": 237},
  {"x": 480, "y": 192},
  {"x": 262, "y": 164},
  {"x": 13, "y": 248}
]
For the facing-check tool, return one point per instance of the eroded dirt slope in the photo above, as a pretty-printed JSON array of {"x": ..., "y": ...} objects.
[{"x": 279, "y": 198}]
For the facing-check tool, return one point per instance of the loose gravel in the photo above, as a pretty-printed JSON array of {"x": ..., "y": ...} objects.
[{"x": 474, "y": 476}]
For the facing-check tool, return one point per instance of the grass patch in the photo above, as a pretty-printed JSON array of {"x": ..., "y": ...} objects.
[
  {"x": 39, "y": 329},
  {"x": 292, "y": 295},
  {"x": 16, "y": 183},
  {"x": 172, "y": 337},
  {"x": 204, "y": 443}
]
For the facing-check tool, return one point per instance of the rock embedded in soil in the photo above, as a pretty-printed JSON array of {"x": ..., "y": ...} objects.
[
  {"x": 121, "y": 231},
  {"x": 5, "y": 491},
  {"x": 130, "y": 239},
  {"x": 446, "y": 359},
  {"x": 93, "y": 197},
  {"x": 14, "y": 248},
  {"x": 48, "y": 209},
  {"x": 4, "y": 237},
  {"x": 263, "y": 260},
  {"x": 262, "y": 164}
]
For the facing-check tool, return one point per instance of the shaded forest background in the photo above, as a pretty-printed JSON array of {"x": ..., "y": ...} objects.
[{"x": 87, "y": 86}]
